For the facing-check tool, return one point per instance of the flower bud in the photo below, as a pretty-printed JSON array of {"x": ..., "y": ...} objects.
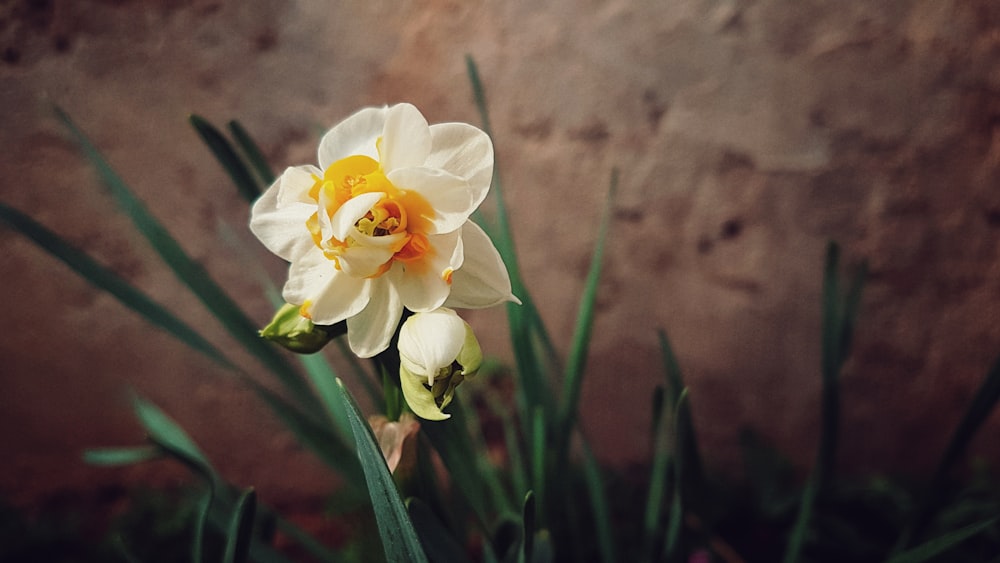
[
  {"x": 296, "y": 332},
  {"x": 437, "y": 351}
]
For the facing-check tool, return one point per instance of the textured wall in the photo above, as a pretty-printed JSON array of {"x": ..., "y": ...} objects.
[{"x": 748, "y": 133}]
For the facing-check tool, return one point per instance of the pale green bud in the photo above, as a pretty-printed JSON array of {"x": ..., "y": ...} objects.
[{"x": 295, "y": 331}]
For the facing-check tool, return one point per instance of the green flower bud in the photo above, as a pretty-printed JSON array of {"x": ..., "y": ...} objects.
[{"x": 297, "y": 333}]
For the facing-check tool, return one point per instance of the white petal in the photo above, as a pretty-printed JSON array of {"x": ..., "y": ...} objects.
[
  {"x": 370, "y": 331},
  {"x": 482, "y": 281},
  {"x": 406, "y": 139},
  {"x": 364, "y": 261},
  {"x": 334, "y": 295},
  {"x": 343, "y": 220},
  {"x": 294, "y": 185},
  {"x": 282, "y": 229},
  {"x": 431, "y": 340},
  {"x": 447, "y": 194},
  {"x": 423, "y": 285},
  {"x": 353, "y": 136},
  {"x": 466, "y": 152}
]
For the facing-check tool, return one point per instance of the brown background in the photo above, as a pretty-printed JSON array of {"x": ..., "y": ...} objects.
[{"x": 748, "y": 133}]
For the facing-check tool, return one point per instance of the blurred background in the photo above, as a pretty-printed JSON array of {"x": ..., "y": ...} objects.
[{"x": 748, "y": 133}]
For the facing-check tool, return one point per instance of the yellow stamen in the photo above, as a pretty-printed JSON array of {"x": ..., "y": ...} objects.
[{"x": 305, "y": 309}]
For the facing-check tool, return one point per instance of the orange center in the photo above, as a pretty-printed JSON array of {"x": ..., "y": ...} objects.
[{"x": 398, "y": 211}]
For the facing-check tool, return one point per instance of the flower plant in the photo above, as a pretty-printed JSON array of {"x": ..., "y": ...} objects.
[{"x": 385, "y": 245}]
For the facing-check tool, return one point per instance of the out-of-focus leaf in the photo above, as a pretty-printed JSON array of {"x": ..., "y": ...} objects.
[
  {"x": 107, "y": 280},
  {"x": 192, "y": 274},
  {"x": 439, "y": 545},
  {"x": 252, "y": 152},
  {"x": 121, "y": 456},
  {"x": 941, "y": 544},
  {"x": 227, "y": 157},
  {"x": 573, "y": 379},
  {"x": 240, "y": 531}
]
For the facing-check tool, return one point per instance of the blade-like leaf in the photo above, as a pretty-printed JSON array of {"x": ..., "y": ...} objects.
[
  {"x": 983, "y": 404},
  {"x": 194, "y": 275},
  {"x": 167, "y": 434},
  {"x": 657, "y": 482},
  {"x": 687, "y": 441},
  {"x": 252, "y": 152},
  {"x": 107, "y": 280},
  {"x": 121, "y": 456},
  {"x": 573, "y": 380},
  {"x": 599, "y": 505},
  {"x": 528, "y": 527},
  {"x": 399, "y": 539},
  {"x": 240, "y": 531},
  {"x": 227, "y": 157},
  {"x": 439, "y": 544},
  {"x": 941, "y": 544},
  {"x": 523, "y": 319}
]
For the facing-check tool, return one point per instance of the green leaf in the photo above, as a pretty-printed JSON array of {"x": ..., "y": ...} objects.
[
  {"x": 528, "y": 527},
  {"x": 399, "y": 539},
  {"x": 983, "y": 404},
  {"x": 227, "y": 157},
  {"x": 671, "y": 547},
  {"x": 167, "y": 434},
  {"x": 524, "y": 320},
  {"x": 438, "y": 543},
  {"x": 452, "y": 442},
  {"x": 240, "y": 531},
  {"x": 686, "y": 437},
  {"x": 941, "y": 544},
  {"x": 657, "y": 480},
  {"x": 838, "y": 322},
  {"x": 599, "y": 505},
  {"x": 194, "y": 275},
  {"x": 109, "y": 281},
  {"x": 121, "y": 456},
  {"x": 573, "y": 380},
  {"x": 539, "y": 450},
  {"x": 252, "y": 152}
]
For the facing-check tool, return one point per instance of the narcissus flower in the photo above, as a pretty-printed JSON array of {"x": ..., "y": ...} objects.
[
  {"x": 382, "y": 224},
  {"x": 437, "y": 351}
]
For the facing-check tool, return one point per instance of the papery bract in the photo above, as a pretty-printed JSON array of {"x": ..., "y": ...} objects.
[{"x": 383, "y": 224}]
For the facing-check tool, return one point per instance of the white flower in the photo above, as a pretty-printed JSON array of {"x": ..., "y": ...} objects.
[
  {"x": 383, "y": 224},
  {"x": 437, "y": 351}
]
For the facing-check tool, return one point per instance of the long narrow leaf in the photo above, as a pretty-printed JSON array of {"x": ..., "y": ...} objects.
[
  {"x": 671, "y": 545},
  {"x": 440, "y": 546},
  {"x": 686, "y": 438},
  {"x": 107, "y": 280},
  {"x": 240, "y": 531},
  {"x": 939, "y": 545},
  {"x": 193, "y": 274},
  {"x": 227, "y": 157},
  {"x": 983, "y": 404},
  {"x": 573, "y": 380},
  {"x": 533, "y": 391},
  {"x": 168, "y": 434},
  {"x": 121, "y": 456},
  {"x": 252, "y": 152},
  {"x": 399, "y": 539},
  {"x": 657, "y": 483},
  {"x": 835, "y": 343},
  {"x": 598, "y": 505}
]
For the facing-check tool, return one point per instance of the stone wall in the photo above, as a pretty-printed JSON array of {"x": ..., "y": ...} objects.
[{"x": 747, "y": 133}]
